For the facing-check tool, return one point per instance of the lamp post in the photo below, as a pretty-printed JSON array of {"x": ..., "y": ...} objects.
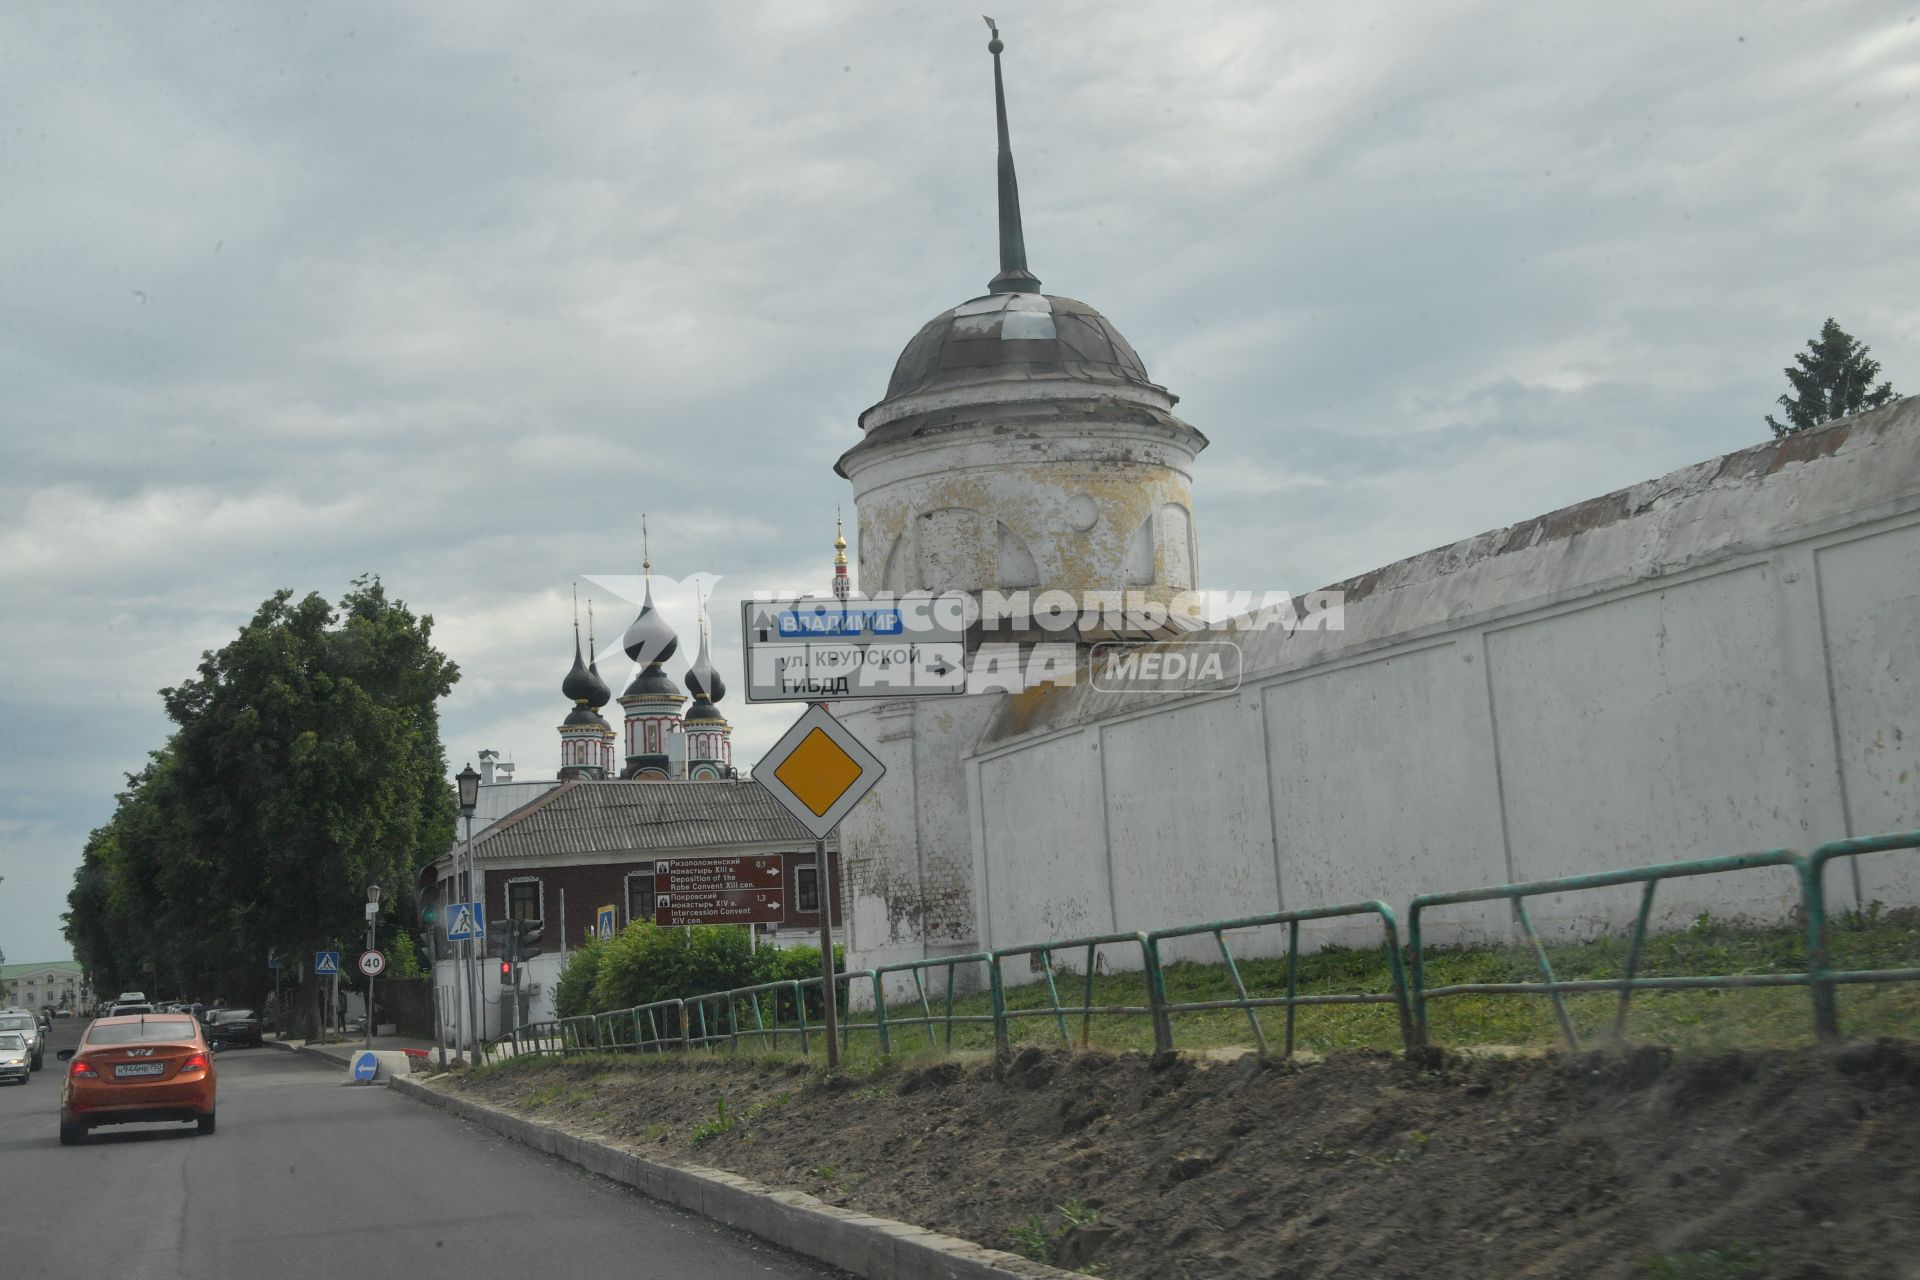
[
  {"x": 373, "y": 912},
  {"x": 468, "y": 780}
]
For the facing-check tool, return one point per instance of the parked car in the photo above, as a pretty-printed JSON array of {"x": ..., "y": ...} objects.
[
  {"x": 122, "y": 1010},
  {"x": 135, "y": 1070},
  {"x": 16, "y": 1060},
  {"x": 29, "y": 1028},
  {"x": 234, "y": 1026}
]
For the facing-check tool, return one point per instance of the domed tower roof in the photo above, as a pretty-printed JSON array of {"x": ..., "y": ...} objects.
[
  {"x": 1034, "y": 334},
  {"x": 579, "y": 682},
  {"x": 649, "y": 641},
  {"x": 1014, "y": 353},
  {"x": 599, "y": 693},
  {"x": 704, "y": 683}
]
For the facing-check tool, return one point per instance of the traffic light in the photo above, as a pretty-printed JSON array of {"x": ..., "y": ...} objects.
[
  {"x": 530, "y": 931},
  {"x": 429, "y": 899},
  {"x": 506, "y": 973},
  {"x": 500, "y": 935}
]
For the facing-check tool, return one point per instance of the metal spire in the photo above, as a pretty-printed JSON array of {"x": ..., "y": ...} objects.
[
  {"x": 1014, "y": 276},
  {"x": 646, "y": 560},
  {"x": 841, "y": 587}
]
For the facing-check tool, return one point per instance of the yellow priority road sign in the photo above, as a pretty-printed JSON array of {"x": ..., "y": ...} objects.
[{"x": 818, "y": 771}]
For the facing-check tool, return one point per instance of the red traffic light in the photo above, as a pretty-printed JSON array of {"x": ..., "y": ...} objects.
[{"x": 506, "y": 970}]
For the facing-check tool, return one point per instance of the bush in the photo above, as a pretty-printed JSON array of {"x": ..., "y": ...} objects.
[
  {"x": 573, "y": 993},
  {"x": 646, "y": 962}
]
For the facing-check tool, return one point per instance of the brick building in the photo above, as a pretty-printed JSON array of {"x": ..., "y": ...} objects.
[{"x": 591, "y": 843}]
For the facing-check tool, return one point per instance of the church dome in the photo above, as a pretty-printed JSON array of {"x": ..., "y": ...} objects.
[
  {"x": 1035, "y": 335},
  {"x": 649, "y": 640},
  {"x": 598, "y": 691},
  {"x": 703, "y": 682},
  {"x": 651, "y": 681},
  {"x": 579, "y": 684}
]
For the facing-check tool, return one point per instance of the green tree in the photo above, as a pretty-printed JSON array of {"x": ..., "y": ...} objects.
[
  {"x": 1834, "y": 379},
  {"x": 305, "y": 764}
]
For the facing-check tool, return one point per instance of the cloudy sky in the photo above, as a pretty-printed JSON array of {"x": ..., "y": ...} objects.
[{"x": 453, "y": 292}]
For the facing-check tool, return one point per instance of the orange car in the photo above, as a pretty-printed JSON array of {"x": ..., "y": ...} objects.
[{"x": 134, "y": 1069}]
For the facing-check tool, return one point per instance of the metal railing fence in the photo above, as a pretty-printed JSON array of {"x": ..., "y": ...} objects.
[
  {"x": 1164, "y": 1008},
  {"x": 1555, "y": 989},
  {"x": 779, "y": 1009}
]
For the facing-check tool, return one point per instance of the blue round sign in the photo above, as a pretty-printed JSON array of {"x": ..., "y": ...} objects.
[{"x": 366, "y": 1065}]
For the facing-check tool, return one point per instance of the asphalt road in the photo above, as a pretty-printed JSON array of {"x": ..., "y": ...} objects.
[{"x": 310, "y": 1177}]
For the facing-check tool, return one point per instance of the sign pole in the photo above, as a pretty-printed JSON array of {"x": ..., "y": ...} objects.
[
  {"x": 826, "y": 952},
  {"x": 370, "y": 949},
  {"x": 473, "y": 974}
]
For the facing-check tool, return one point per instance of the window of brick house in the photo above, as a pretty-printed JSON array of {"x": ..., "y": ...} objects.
[
  {"x": 523, "y": 899},
  {"x": 806, "y": 888},
  {"x": 640, "y": 893}
]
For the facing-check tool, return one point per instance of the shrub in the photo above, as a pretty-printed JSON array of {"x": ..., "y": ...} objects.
[
  {"x": 573, "y": 993},
  {"x": 646, "y": 962}
]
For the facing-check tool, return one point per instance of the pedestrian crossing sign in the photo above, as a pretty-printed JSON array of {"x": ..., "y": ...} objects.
[
  {"x": 326, "y": 964},
  {"x": 466, "y": 920}
]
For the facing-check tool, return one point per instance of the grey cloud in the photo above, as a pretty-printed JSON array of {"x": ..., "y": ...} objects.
[{"x": 453, "y": 295}]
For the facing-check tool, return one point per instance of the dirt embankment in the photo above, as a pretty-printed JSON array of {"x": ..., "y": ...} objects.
[{"x": 1785, "y": 1165}]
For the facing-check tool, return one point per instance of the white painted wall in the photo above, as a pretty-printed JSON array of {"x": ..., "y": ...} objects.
[{"x": 1723, "y": 660}]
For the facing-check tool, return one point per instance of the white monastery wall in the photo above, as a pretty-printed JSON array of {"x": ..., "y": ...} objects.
[{"x": 1721, "y": 660}]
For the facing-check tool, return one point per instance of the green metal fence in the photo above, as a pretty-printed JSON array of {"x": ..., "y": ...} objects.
[
  {"x": 1164, "y": 1008},
  {"x": 1044, "y": 953},
  {"x": 779, "y": 1009},
  {"x": 1813, "y": 898},
  {"x": 647, "y": 1028},
  {"x": 885, "y": 1019},
  {"x": 1629, "y": 981}
]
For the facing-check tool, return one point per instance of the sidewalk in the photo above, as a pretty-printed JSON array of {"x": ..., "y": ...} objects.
[{"x": 342, "y": 1053}]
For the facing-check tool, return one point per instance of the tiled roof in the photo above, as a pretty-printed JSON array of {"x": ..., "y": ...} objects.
[{"x": 584, "y": 817}]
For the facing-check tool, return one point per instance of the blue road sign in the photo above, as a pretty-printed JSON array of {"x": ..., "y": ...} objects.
[
  {"x": 466, "y": 920},
  {"x": 366, "y": 1065},
  {"x": 606, "y": 922},
  {"x": 326, "y": 964}
]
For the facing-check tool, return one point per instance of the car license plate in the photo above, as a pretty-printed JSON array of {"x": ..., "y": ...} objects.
[{"x": 139, "y": 1069}]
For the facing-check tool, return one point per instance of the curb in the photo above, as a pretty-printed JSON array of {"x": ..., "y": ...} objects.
[
  {"x": 870, "y": 1247},
  {"x": 318, "y": 1055}
]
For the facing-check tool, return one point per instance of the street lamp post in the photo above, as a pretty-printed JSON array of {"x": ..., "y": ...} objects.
[
  {"x": 373, "y": 911},
  {"x": 468, "y": 780}
]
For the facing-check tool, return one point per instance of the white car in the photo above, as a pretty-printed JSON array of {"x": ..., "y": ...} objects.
[
  {"x": 27, "y": 1027},
  {"x": 15, "y": 1057}
]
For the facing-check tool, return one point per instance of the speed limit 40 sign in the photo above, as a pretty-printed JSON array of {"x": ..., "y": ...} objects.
[{"x": 372, "y": 963}]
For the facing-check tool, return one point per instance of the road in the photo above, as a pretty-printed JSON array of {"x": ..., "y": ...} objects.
[{"x": 311, "y": 1177}]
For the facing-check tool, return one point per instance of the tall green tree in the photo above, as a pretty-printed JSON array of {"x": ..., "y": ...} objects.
[
  {"x": 305, "y": 764},
  {"x": 1833, "y": 379}
]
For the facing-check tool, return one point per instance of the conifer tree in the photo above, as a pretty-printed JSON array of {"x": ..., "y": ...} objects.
[{"x": 1834, "y": 380}]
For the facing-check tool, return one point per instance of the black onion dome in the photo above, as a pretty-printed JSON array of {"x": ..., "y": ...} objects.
[
  {"x": 703, "y": 682},
  {"x": 582, "y": 714},
  {"x": 649, "y": 640},
  {"x": 579, "y": 682},
  {"x": 651, "y": 680},
  {"x": 702, "y": 711},
  {"x": 1032, "y": 333},
  {"x": 600, "y": 693}
]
